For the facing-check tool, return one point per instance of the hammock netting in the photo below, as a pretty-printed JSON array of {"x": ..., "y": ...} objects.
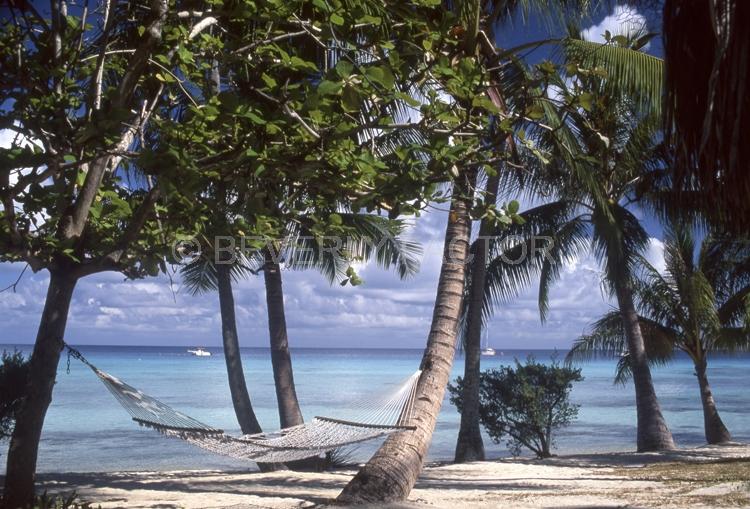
[{"x": 372, "y": 418}]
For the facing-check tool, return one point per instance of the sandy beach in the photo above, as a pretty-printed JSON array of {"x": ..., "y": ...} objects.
[{"x": 717, "y": 476}]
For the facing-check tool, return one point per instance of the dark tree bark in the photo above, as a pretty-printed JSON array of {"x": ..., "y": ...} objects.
[
  {"x": 393, "y": 470},
  {"x": 281, "y": 359},
  {"x": 653, "y": 432},
  {"x": 716, "y": 431},
  {"x": 243, "y": 408},
  {"x": 24, "y": 444},
  {"x": 469, "y": 446}
]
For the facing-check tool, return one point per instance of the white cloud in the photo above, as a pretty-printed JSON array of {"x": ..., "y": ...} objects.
[
  {"x": 384, "y": 312},
  {"x": 624, "y": 20},
  {"x": 655, "y": 254}
]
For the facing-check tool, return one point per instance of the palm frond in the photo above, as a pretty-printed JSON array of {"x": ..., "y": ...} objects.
[
  {"x": 630, "y": 73},
  {"x": 551, "y": 236},
  {"x": 607, "y": 340}
]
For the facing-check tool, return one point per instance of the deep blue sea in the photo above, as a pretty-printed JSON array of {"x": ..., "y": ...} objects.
[{"x": 87, "y": 430}]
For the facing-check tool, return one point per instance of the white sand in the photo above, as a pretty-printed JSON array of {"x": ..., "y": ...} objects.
[{"x": 569, "y": 481}]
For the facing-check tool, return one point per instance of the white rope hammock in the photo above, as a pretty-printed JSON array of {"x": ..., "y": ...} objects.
[{"x": 372, "y": 418}]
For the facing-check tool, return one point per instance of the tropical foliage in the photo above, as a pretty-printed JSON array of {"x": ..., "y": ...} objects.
[
  {"x": 256, "y": 132},
  {"x": 699, "y": 304},
  {"x": 14, "y": 372},
  {"x": 524, "y": 404}
]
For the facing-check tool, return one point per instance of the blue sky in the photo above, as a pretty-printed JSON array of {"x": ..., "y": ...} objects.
[{"x": 382, "y": 313}]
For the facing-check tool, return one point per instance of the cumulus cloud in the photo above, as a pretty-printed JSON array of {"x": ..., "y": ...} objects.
[
  {"x": 384, "y": 312},
  {"x": 624, "y": 20}
]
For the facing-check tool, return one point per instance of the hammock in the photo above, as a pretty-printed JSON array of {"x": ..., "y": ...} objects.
[{"x": 376, "y": 417}]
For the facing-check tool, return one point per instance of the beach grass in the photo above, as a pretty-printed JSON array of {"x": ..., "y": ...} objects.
[{"x": 720, "y": 483}]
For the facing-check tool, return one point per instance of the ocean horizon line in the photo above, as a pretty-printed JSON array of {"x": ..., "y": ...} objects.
[{"x": 219, "y": 347}]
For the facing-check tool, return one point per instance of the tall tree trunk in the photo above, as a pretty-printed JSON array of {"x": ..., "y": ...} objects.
[
  {"x": 243, "y": 408},
  {"x": 653, "y": 432},
  {"x": 393, "y": 470},
  {"x": 283, "y": 375},
  {"x": 24, "y": 444},
  {"x": 716, "y": 431},
  {"x": 469, "y": 446}
]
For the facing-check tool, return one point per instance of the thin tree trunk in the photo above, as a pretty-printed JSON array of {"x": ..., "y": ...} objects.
[
  {"x": 243, "y": 408},
  {"x": 469, "y": 446},
  {"x": 281, "y": 359},
  {"x": 393, "y": 470},
  {"x": 653, "y": 432},
  {"x": 24, "y": 444},
  {"x": 716, "y": 431}
]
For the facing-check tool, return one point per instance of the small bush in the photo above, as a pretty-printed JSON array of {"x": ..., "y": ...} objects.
[
  {"x": 14, "y": 372},
  {"x": 524, "y": 404}
]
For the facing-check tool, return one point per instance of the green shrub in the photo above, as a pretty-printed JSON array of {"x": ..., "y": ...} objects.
[
  {"x": 14, "y": 372},
  {"x": 524, "y": 404}
]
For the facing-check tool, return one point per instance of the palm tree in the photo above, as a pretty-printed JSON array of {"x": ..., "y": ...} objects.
[
  {"x": 392, "y": 471},
  {"x": 631, "y": 73},
  {"x": 698, "y": 305},
  {"x": 367, "y": 236},
  {"x": 600, "y": 156}
]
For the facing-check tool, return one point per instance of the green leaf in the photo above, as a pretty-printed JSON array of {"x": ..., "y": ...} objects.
[
  {"x": 336, "y": 19},
  {"x": 329, "y": 87},
  {"x": 513, "y": 207},
  {"x": 350, "y": 99}
]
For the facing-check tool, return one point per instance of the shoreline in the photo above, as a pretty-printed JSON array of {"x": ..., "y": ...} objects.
[{"x": 708, "y": 476}]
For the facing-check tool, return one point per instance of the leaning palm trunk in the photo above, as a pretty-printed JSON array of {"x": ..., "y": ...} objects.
[
  {"x": 237, "y": 385},
  {"x": 281, "y": 360},
  {"x": 243, "y": 408},
  {"x": 24, "y": 444},
  {"x": 393, "y": 470},
  {"x": 469, "y": 446},
  {"x": 653, "y": 433},
  {"x": 716, "y": 432}
]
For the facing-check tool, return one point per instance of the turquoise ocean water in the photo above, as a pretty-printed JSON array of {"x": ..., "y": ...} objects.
[{"x": 86, "y": 430}]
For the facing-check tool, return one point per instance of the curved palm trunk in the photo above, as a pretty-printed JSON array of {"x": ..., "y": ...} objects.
[
  {"x": 653, "y": 432},
  {"x": 24, "y": 444},
  {"x": 469, "y": 446},
  {"x": 283, "y": 375},
  {"x": 393, "y": 470},
  {"x": 716, "y": 431},
  {"x": 243, "y": 408}
]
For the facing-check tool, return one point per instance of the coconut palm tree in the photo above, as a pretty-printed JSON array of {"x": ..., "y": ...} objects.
[
  {"x": 698, "y": 305},
  {"x": 600, "y": 156},
  {"x": 363, "y": 237},
  {"x": 393, "y": 470},
  {"x": 517, "y": 258},
  {"x": 368, "y": 236}
]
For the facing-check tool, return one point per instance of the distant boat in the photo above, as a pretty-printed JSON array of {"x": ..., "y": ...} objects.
[
  {"x": 487, "y": 351},
  {"x": 200, "y": 352}
]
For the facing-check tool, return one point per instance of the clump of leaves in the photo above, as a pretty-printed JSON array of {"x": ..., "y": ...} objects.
[
  {"x": 14, "y": 371},
  {"x": 524, "y": 404}
]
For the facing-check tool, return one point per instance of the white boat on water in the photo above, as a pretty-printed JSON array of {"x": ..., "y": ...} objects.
[
  {"x": 487, "y": 351},
  {"x": 200, "y": 352}
]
